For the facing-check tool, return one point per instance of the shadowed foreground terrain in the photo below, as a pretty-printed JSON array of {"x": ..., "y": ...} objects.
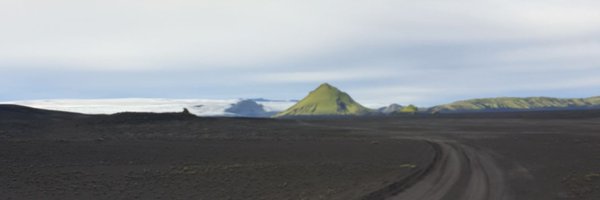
[{"x": 535, "y": 155}]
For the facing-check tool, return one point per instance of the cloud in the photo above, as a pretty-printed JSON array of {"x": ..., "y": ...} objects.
[
  {"x": 564, "y": 51},
  {"x": 385, "y": 50},
  {"x": 443, "y": 86},
  {"x": 130, "y": 34},
  {"x": 321, "y": 76}
]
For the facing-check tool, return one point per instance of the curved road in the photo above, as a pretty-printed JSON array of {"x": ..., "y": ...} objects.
[
  {"x": 457, "y": 172},
  {"x": 460, "y": 172}
]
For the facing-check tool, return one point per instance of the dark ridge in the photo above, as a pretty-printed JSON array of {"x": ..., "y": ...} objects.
[
  {"x": 554, "y": 114},
  {"x": 143, "y": 117},
  {"x": 18, "y": 112},
  {"x": 333, "y": 117}
]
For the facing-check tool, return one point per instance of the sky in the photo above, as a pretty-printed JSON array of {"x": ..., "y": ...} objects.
[{"x": 423, "y": 52}]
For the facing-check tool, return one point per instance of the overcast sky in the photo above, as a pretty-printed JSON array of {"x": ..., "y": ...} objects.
[{"x": 424, "y": 52}]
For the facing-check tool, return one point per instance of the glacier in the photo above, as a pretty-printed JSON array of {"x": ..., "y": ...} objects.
[{"x": 200, "y": 107}]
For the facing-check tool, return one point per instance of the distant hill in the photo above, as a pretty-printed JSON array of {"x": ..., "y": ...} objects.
[
  {"x": 397, "y": 109},
  {"x": 326, "y": 100},
  {"x": 390, "y": 109},
  {"x": 248, "y": 108},
  {"x": 517, "y": 104},
  {"x": 17, "y": 112},
  {"x": 408, "y": 109}
]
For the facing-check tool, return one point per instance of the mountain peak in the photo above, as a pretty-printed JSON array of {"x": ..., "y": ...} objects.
[
  {"x": 326, "y": 89},
  {"x": 325, "y": 85},
  {"x": 325, "y": 100}
]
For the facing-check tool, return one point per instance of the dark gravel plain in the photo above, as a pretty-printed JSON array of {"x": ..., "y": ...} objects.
[{"x": 57, "y": 155}]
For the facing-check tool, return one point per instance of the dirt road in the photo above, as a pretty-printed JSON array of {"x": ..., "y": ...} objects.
[{"x": 460, "y": 172}]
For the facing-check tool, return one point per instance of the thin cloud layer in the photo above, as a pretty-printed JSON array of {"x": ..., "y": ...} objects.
[{"x": 443, "y": 50}]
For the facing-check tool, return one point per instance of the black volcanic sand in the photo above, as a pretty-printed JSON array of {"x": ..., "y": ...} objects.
[
  {"x": 205, "y": 169},
  {"x": 542, "y": 155}
]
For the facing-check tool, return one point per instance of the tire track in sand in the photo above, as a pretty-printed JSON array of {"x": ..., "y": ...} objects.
[
  {"x": 460, "y": 173},
  {"x": 457, "y": 172}
]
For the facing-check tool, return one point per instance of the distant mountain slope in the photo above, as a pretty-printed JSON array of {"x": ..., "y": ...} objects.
[
  {"x": 593, "y": 100},
  {"x": 249, "y": 108},
  {"x": 514, "y": 104},
  {"x": 408, "y": 109},
  {"x": 326, "y": 100},
  {"x": 390, "y": 109},
  {"x": 397, "y": 109},
  {"x": 17, "y": 112}
]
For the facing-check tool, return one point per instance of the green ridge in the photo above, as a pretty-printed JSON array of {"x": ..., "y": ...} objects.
[
  {"x": 325, "y": 100},
  {"x": 409, "y": 109},
  {"x": 510, "y": 103}
]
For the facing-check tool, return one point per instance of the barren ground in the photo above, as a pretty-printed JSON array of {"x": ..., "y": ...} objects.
[{"x": 548, "y": 155}]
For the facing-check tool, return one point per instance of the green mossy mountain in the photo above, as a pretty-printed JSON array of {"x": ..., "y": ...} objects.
[
  {"x": 409, "y": 109},
  {"x": 326, "y": 100},
  {"x": 396, "y": 109},
  {"x": 510, "y": 104}
]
